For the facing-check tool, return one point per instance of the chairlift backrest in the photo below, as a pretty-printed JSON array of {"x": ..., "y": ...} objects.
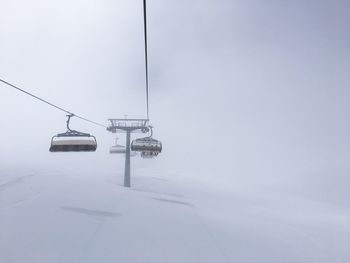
[
  {"x": 146, "y": 144},
  {"x": 73, "y": 141},
  {"x": 117, "y": 149}
]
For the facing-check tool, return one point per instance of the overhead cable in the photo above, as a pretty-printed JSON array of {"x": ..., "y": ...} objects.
[
  {"x": 146, "y": 55},
  {"x": 51, "y": 104}
]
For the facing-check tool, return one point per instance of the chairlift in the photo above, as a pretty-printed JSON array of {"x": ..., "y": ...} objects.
[
  {"x": 148, "y": 146},
  {"x": 120, "y": 149},
  {"x": 73, "y": 141},
  {"x": 117, "y": 148}
]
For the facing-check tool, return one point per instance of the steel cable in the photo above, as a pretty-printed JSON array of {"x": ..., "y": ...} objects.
[
  {"x": 51, "y": 104},
  {"x": 146, "y": 55}
]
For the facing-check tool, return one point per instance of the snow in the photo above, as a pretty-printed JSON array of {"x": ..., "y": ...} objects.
[{"x": 68, "y": 216}]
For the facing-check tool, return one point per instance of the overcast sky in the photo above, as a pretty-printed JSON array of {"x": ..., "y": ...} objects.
[{"x": 238, "y": 89}]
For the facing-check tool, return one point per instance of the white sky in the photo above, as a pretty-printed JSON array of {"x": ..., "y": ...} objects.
[{"x": 239, "y": 89}]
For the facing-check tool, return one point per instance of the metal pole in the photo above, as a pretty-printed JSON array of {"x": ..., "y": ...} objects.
[{"x": 127, "y": 160}]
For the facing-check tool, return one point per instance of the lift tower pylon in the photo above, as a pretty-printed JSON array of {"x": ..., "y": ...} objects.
[{"x": 128, "y": 126}]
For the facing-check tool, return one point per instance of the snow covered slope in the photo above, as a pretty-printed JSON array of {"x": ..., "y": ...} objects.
[{"x": 66, "y": 216}]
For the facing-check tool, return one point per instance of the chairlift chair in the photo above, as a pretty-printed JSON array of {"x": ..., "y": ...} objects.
[
  {"x": 148, "y": 146},
  {"x": 117, "y": 148},
  {"x": 73, "y": 141},
  {"x": 120, "y": 149}
]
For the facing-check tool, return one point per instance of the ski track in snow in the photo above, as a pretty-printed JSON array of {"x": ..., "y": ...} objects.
[
  {"x": 18, "y": 199},
  {"x": 19, "y": 202},
  {"x": 89, "y": 212},
  {"x": 13, "y": 182},
  {"x": 158, "y": 192},
  {"x": 172, "y": 201}
]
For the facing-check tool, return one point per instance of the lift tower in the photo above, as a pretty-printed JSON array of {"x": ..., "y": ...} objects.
[{"x": 128, "y": 126}]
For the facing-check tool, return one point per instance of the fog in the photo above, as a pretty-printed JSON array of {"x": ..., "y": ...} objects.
[{"x": 252, "y": 90}]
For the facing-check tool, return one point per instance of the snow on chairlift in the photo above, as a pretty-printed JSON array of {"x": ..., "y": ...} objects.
[
  {"x": 120, "y": 149},
  {"x": 148, "y": 146},
  {"x": 73, "y": 141}
]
